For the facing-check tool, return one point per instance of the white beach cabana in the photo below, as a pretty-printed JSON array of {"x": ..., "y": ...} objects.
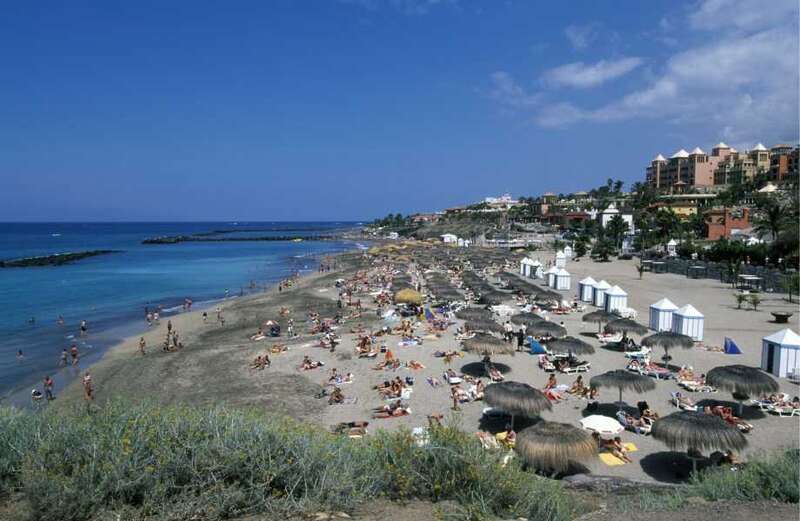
[
  {"x": 780, "y": 354},
  {"x": 661, "y": 315},
  {"x": 537, "y": 272},
  {"x": 568, "y": 251},
  {"x": 550, "y": 276},
  {"x": 561, "y": 259},
  {"x": 616, "y": 299},
  {"x": 672, "y": 248},
  {"x": 686, "y": 320},
  {"x": 599, "y": 293},
  {"x": 563, "y": 280},
  {"x": 525, "y": 267},
  {"x": 586, "y": 289}
]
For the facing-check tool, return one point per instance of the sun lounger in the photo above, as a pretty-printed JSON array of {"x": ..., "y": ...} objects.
[
  {"x": 582, "y": 367},
  {"x": 656, "y": 372},
  {"x": 784, "y": 410},
  {"x": 643, "y": 353},
  {"x": 609, "y": 338},
  {"x": 696, "y": 387},
  {"x": 676, "y": 401},
  {"x": 452, "y": 380}
]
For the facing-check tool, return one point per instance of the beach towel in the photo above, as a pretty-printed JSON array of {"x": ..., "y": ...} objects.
[
  {"x": 536, "y": 347},
  {"x": 731, "y": 348},
  {"x": 610, "y": 459}
]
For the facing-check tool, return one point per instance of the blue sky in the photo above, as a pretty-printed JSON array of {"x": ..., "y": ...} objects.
[{"x": 350, "y": 109}]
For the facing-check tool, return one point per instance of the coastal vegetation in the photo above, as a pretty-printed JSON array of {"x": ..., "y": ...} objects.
[{"x": 180, "y": 462}]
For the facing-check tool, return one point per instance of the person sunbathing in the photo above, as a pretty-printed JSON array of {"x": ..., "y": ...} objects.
[
  {"x": 495, "y": 375},
  {"x": 614, "y": 446},
  {"x": 392, "y": 410},
  {"x": 578, "y": 387},
  {"x": 336, "y": 397},
  {"x": 276, "y": 349},
  {"x": 259, "y": 335},
  {"x": 553, "y": 395},
  {"x": 551, "y": 382},
  {"x": 686, "y": 374},
  {"x": 413, "y": 364},
  {"x": 309, "y": 364},
  {"x": 726, "y": 413},
  {"x": 507, "y": 438}
]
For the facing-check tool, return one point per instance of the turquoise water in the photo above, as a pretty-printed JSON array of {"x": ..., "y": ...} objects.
[{"x": 111, "y": 291}]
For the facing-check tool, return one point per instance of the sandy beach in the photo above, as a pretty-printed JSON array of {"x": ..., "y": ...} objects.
[{"x": 214, "y": 366}]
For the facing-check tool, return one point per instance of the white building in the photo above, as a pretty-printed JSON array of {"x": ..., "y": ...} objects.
[
  {"x": 561, "y": 259},
  {"x": 449, "y": 238},
  {"x": 586, "y": 289},
  {"x": 661, "y": 315},
  {"x": 688, "y": 321},
  {"x": 780, "y": 354},
  {"x": 611, "y": 211}
]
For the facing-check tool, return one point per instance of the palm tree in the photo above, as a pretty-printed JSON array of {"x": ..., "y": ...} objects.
[
  {"x": 616, "y": 229},
  {"x": 772, "y": 218}
]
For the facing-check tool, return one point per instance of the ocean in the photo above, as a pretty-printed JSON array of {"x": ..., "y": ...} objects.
[{"x": 111, "y": 291}]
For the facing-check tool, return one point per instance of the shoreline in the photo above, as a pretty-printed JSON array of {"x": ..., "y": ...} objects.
[{"x": 186, "y": 323}]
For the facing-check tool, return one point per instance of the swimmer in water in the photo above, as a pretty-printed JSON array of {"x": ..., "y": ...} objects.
[
  {"x": 20, "y": 356},
  {"x": 60, "y": 320}
]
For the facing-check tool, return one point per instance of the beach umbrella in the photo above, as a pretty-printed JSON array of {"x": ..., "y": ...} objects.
[
  {"x": 516, "y": 399},
  {"x": 408, "y": 296},
  {"x": 623, "y": 380},
  {"x": 603, "y": 425},
  {"x": 544, "y": 327},
  {"x": 667, "y": 340},
  {"x": 492, "y": 298},
  {"x": 741, "y": 381},
  {"x": 526, "y": 319},
  {"x": 625, "y": 326},
  {"x": 487, "y": 345},
  {"x": 474, "y": 314},
  {"x": 600, "y": 317},
  {"x": 571, "y": 345},
  {"x": 486, "y": 326},
  {"x": 552, "y": 446},
  {"x": 698, "y": 432}
]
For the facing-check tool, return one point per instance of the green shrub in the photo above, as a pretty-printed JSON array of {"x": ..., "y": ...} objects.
[
  {"x": 180, "y": 462},
  {"x": 769, "y": 477}
]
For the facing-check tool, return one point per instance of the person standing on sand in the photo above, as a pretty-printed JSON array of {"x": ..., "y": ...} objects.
[
  {"x": 73, "y": 351},
  {"x": 205, "y": 317},
  {"x": 88, "y": 387},
  {"x": 142, "y": 345},
  {"x": 64, "y": 356},
  {"x": 169, "y": 326},
  {"x": 48, "y": 387}
]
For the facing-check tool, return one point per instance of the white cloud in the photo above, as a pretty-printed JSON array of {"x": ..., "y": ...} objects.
[
  {"x": 581, "y": 75},
  {"x": 580, "y": 36},
  {"x": 507, "y": 91},
  {"x": 742, "y": 87}
]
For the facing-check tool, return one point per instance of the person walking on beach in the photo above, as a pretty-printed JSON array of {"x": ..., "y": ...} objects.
[
  {"x": 205, "y": 317},
  {"x": 64, "y": 356},
  {"x": 48, "y": 387},
  {"x": 88, "y": 387},
  {"x": 84, "y": 328},
  {"x": 520, "y": 338},
  {"x": 509, "y": 329},
  {"x": 169, "y": 326},
  {"x": 142, "y": 345}
]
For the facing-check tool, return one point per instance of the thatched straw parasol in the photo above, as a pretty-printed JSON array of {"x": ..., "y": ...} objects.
[
  {"x": 697, "y": 431},
  {"x": 408, "y": 296},
  {"x": 544, "y": 327},
  {"x": 474, "y": 314},
  {"x": 493, "y": 298},
  {"x": 487, "y": 345},
  {"x": 570, "y": 344},
  {"x": 600, "y": 317},
  {"x": 623, "y": 380},
  {"x": 626, "y": 325},
  {"x": 742, "y": 381},
  {"x": 486, "y": 326},
  {"x": 517, "y": 399},
  {"x": 552, "y": 446},
  {"x": 667, "y": 340},
  {"x": 526, "y": 319}
]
